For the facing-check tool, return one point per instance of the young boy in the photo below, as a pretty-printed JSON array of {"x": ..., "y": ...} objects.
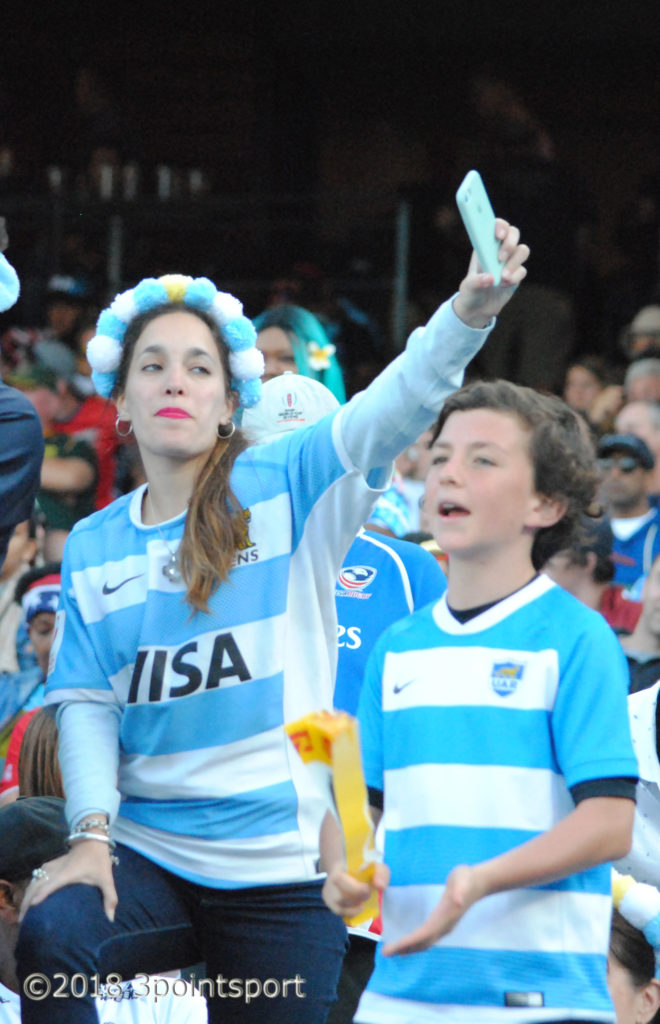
[{"x": 495, "y": 738}]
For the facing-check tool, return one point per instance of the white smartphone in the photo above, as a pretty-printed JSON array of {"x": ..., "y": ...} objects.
[{"x": 479, "y": 219}]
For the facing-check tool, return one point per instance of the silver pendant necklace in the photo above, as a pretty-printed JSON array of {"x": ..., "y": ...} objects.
[{"x": 170, "y": 570}]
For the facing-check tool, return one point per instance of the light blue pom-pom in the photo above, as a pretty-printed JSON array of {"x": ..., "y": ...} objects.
[
  {"x": 249, "y": 392},
  {"x": 150, "y": 293},
  {"x": 239, "y": 334},
  {"x": 103, "y": 383},
  {"x": 110, "y": 325},
  {"x": 200, "y": 293},
  {"x": 652, "y": 933}
]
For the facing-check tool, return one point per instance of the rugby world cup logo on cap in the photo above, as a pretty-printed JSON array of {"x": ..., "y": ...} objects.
[
  {"x": 290, "y": 399},
  {"x": 505, "y": 677}
]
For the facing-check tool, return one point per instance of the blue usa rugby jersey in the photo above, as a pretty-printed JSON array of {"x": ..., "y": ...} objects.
[
  {"x": 382, "y": 580},
  {"x": 475, "y": 732}
]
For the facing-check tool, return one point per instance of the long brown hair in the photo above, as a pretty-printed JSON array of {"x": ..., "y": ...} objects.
[
  {"x": 38, "y": 765},
  {"x": 215, "y": 527}
]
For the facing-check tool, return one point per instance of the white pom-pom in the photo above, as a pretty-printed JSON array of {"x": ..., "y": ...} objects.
[
  {"x": 123, "y": 306},
  {"x": 103, "y": 353},
  {"x": 247, "y": 365},
  {"x": 226, "y": 307},
  {"x": 640, "y": 904}
]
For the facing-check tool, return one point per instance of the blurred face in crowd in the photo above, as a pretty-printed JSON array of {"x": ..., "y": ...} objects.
[
  {"x": 62, "y": 316},
  {"x": 40, "y": 631},
  {"x": 635, "y": 418},
  {"x": 47, "y": 404},
  {"x": 277, "y": 351},
  {"x": 581, "y": 388},
  {"x": 644, "y": 389},
  {"x": 623, "y": 484}
]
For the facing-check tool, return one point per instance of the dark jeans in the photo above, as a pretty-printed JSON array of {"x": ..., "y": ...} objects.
[{"x": 266, "y": 935}]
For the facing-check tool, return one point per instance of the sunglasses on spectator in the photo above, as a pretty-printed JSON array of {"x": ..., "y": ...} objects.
[{"x": 626, "y": 464}]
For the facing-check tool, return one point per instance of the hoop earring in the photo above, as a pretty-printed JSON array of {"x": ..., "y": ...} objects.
[
  {"x": 230, "y": 433},
  {"x": 125, "y": 433}
]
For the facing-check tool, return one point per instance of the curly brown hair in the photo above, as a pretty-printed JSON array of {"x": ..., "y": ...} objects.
[{"x": 560, "y": 451}]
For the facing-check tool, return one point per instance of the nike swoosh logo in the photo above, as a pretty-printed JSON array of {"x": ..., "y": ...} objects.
[
  {"x": 107, "y": 589},
  {"x": 398, "y": 687}
]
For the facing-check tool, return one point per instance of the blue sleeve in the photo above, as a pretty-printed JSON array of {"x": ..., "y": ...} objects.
[
  {"x": 370, "y": 718},
  {"x": 21, "y": 454},
  {"x": 428, "y": 582},
  {"x": 590, "y": 716}
]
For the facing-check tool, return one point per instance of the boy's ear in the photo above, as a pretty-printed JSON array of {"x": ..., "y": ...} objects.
[{"x": 547, "y": 511}]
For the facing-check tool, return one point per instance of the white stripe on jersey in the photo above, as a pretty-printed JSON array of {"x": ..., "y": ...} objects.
[
  {"x": 522, "y": 920},
  {"x": 506, "y": 797},
  {"x": 411, "y": 678}
]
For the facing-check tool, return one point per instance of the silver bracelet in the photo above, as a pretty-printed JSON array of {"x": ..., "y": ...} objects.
[
  {"x": 91, "y": 835},
  {"x": 87, "y": 823}
]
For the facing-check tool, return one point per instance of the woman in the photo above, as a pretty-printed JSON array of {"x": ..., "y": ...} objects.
[
  {"x": 293, "y": 340},
  {"x": 634, "y": 960},
  {"x": 197, "y": 617}
]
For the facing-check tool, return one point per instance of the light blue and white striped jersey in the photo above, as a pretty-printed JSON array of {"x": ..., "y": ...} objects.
[
  {"x": 475, "y": 732},
  {"x": 211, "y": 787}
]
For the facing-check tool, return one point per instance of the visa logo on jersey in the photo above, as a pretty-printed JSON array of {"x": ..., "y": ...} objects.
[
  {"x": 505, "y": 677},
  {"x": 162, "y": 673}
]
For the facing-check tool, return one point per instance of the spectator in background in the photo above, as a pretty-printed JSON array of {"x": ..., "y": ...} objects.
[
  {"x": 643, "y": 420},
  {"x": 66, "y": 300},
  {"x": 83, "y": 415},
  {"x": 642, "y": 381},
  {"x": 38, "y": 593},
  {"x": 586, "y": 570},
  {"x": 21, "y": 440},
  {"x": 585, "y": 380},
  {"x": 21, "y": 555},
  {"x": 412, "y": 466},
  {"x": 293, "y": 340},
  {"x": 359, "y": 340},
  {"x": 69, "y": 472},
  {"x": 642, "y": 647},
  {"x": 641, "y": 337},
  {"x": 625, "y": 463}
]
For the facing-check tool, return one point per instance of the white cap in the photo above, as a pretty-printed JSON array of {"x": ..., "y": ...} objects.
[{"x": 288, "y": 402}]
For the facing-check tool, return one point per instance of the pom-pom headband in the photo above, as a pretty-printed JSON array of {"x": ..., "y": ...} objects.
[
  {"x": 639, "y": 903},
  {"x": 245, "y": 360}
]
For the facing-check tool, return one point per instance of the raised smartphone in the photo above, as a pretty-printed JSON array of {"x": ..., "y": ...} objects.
[{"x": 477, "y": 213}]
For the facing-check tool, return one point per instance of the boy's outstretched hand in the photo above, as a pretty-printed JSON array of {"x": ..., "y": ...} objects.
[
  {"x": 461, "y": 891},
  {"x": 479, "y": 299}
]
